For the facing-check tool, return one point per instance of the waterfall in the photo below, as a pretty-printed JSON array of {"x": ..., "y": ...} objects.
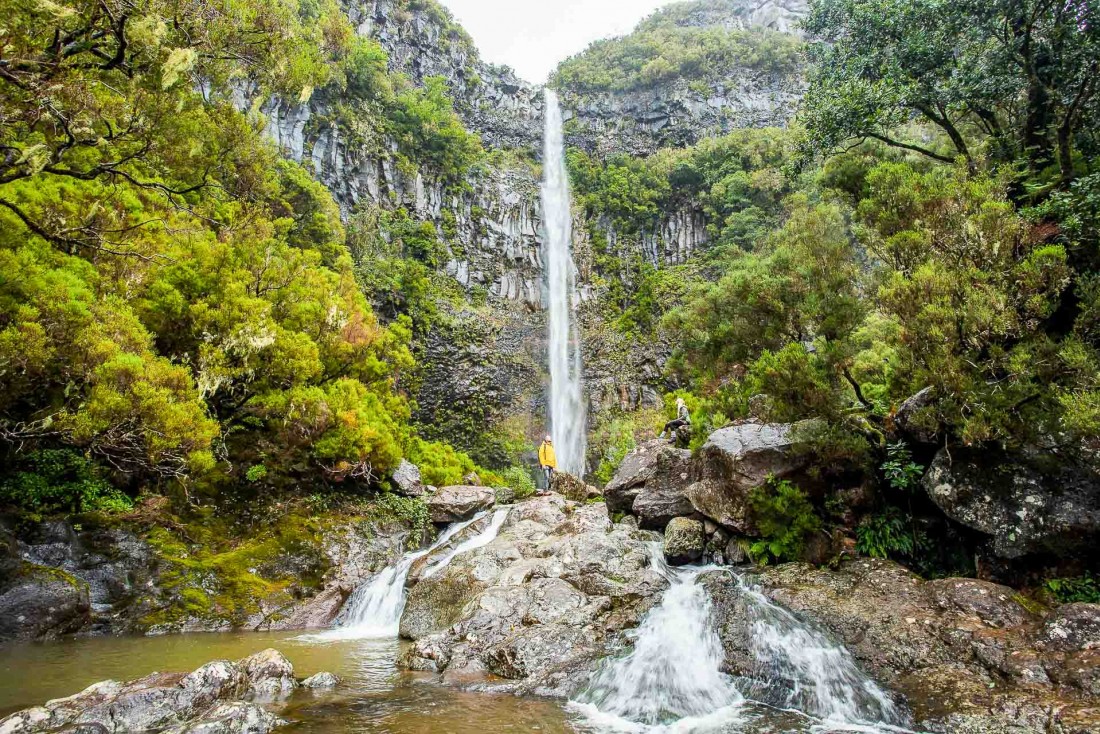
[
  {"x": 485, "y": 537},
  {"x": 797, "y": 666},
  {"x": 671, "y": 681},
  {"x": 672, "y": 676},
  {"x": 567, "y": 409},
  {"x": 374, "y": 609}
]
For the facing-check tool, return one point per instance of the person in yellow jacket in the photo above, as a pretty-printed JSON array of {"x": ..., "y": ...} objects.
[{"x": 548, "y": 461}]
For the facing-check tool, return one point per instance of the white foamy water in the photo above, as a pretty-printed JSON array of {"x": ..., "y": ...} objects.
[
  {"x": 567, "y": 408},
  {"x": 671, "y": 681},
  {"x": 799, "y": 667},
  {"x": 485, "y": 537},
  {"x": 373, "y": 611}
]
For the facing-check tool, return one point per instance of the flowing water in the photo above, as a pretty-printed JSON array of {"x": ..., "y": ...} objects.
[
  {"x": 671, "y": 680},
  {"x": 485, "y": 537},
  {"x": 373, "y": 611},
  {"x": 567, "y": 408}
]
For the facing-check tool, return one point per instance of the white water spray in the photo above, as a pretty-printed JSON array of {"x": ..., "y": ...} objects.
[
  {"x": 373, "y": 611},
  {"x": 671, "y": 681},
  {"x": 567, "y": 409},
  {"x": 799, "y": 667}
]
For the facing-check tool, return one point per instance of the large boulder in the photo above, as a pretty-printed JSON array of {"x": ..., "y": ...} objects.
[
  {"x": 455, "y": 504},
  {"x": 736, "y": 460},
  {"x": 42, "y": 602},
  {"x": 539, "y": 606},
  {"x": 650, "y": 484},
  {"x": 914, "y": 419},
  {"x": 571, "y": 488},
  {"x": 685, "y": 541},
  {"x": 1025, "y": 503},
  {"x": 270, "y": 675}
]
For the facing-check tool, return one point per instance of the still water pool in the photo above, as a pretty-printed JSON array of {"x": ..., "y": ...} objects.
[{"x": 375, "y": 695}]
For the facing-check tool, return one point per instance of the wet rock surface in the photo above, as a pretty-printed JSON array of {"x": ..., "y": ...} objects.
[
  {"x": 455, "y": 504},
  {"x": 221, "y": 697},
  {"x": 56, "y": 580},
  {"x": 965, "y": 654},
  {"x": 538, "y": 606},
  {"x": 1026, "y": 503}
]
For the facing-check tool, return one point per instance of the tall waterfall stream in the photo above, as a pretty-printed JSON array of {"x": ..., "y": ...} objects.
[{"x": 567, "y": 406}]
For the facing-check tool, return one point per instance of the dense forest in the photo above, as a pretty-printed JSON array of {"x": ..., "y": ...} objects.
[{"x": 185, "y": 313}]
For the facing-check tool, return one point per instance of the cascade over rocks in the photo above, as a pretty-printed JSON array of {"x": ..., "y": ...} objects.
[
  {"x": 964, "y": 653},
  {"x": 539, "y": 605},
  {"x": 455, "y": 504},
  {"x": 1023, "y": 505},
  {"x": 217, "y": 698}
]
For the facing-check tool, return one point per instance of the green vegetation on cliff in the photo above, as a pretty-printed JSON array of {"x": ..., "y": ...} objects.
[
  {"x": 929, "y": 222},
  {"x": 180, "y": 311},
  {"x": 659, "y": 52}
]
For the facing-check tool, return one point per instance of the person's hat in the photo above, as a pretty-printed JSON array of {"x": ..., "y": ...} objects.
[{"x": 548, "y": 437}]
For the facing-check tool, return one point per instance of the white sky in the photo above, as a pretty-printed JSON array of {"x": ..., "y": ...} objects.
[{"x": 532, "y": 36}]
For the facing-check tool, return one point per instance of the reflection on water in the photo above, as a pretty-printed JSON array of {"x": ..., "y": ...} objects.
[{"x": 375, "y": 695}]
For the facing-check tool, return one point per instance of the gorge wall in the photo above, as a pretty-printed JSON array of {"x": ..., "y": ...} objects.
[{"x": 485, "y": 367}]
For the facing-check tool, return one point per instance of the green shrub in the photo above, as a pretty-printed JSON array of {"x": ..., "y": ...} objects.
[
  {"x": 885, "y": 535},
  {"x": 615, "y": 440},
  {"x": 410, "y": 510},
  {"x": 785, "y": 518},
  {"x": 519, "y": 480},
  {"x": 899, "y": 469},
  {"x": 61, "y": 480},
  {"x": 440, "y": 464},
  {"x": 1084, "y": 588}
]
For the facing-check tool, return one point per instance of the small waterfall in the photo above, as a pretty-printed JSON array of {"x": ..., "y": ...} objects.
[
  {"x": 373, "y": 610},
  {"x": 485, "y": 537},
  {"x": 567, "y": 409},
  {"x": 671, "y": 681},
  {"x": 672, "y": 676},
  {"x": 799, "y": 667}
]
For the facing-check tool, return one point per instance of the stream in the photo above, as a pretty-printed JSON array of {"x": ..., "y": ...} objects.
[{"x": 668, "y": 683}]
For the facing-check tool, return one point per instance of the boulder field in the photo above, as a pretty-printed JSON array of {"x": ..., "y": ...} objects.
[{"x": 1033, "y": 503}]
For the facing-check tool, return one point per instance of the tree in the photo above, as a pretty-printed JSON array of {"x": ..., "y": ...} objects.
[
  {"x": 106, "y": 90},
  {"x": 1021, "y": 74}
]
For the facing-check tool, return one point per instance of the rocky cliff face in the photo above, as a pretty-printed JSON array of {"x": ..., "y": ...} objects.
[{"x": 493, "y": 222}]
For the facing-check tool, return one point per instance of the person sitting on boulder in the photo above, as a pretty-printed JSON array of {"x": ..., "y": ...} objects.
[
  {"x": 548, "y": 461},
  {"x": 683, "y": 418}
]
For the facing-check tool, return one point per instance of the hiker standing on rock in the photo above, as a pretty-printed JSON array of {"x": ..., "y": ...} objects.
[
  {"x": 548, "y": 461},
  {"x": 683, "y": 418}
]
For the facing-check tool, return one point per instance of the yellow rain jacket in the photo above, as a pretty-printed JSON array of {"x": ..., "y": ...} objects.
[{"x": 546, "y": 455}]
